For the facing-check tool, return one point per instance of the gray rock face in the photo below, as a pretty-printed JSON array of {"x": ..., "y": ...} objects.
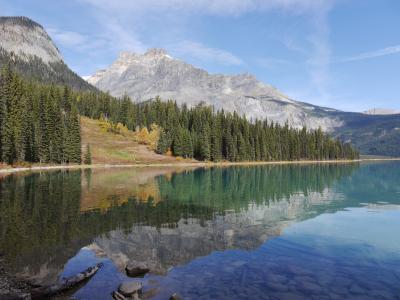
[
  {"x": 155, "y": 73},
  {"x": 26, "y": 38}
]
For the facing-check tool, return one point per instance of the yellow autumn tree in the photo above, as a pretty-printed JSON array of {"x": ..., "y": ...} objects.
[
  {"x": 143, "y": 136},
  {"x": 122, "y": 129},
  {"x": 154, "y": 136}
]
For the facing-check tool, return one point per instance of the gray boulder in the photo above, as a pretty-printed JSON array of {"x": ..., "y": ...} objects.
[{"x": 136, "y": 269}]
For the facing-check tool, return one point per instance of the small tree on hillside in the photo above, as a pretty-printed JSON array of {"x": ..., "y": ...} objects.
[{"x": 88, "y": 156}]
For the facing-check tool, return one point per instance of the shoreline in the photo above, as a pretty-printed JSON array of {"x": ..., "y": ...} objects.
[{"x": 185, "y": 164}]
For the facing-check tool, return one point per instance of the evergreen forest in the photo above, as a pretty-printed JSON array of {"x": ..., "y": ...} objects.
[{"x": 40, "y": 123}]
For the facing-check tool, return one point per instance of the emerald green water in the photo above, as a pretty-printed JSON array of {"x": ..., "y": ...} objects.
[{"x": 321, "y": 231}]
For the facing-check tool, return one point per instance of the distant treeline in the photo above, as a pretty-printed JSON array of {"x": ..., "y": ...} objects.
[
  {"x": 201, "y": 133},
  {"x": 38, "y": 123}
]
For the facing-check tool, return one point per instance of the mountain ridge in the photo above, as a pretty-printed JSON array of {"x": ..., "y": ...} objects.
[{"x": 155, "y": 73}]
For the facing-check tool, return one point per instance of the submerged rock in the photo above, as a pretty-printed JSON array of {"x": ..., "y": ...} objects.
[
  {"x": 136, "y": 269},
  {"x": 174, "y": 296},
  {"x": 118, "y": 296},
  {"x": 129, "y": 288}
]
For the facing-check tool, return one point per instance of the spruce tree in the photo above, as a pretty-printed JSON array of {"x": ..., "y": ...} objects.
[
  {"x": 88, "y": 156},
  {"x": 204, "y": 143},
  {"x": 164, "y": 142}
]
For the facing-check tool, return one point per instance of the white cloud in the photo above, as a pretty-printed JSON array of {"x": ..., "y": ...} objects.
[
  {"x": 373, "y": 54},
  {"x": 205, "y": 54}
]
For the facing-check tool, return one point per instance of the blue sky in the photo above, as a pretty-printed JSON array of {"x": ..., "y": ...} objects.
[{"x": 337, "y": 53}]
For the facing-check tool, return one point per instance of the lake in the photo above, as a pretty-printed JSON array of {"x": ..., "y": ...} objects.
[{"x": 315, "y": 231}]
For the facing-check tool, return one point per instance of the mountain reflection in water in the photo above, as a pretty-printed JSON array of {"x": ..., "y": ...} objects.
[{"x": 168, "y": 217}]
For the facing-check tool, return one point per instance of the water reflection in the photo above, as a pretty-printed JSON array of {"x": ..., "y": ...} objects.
[{"x": 170, "y": 218}]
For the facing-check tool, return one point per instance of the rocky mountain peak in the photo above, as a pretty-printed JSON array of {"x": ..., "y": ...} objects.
[
  {"x": 127, "y": 58},
  {"x": 26, "y": 39},
  {"x": 20, "y": 21},
  {"x": 156, "y": 52}
]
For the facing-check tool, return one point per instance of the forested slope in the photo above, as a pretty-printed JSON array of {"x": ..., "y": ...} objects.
[
  {"x": 205, "y": 134},
  {"x": 51, "y": 73},
  {"x": 40, "y": 123}
]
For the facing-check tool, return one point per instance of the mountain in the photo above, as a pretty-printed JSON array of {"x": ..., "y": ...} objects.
[
  {"x": 381, "y": 111},
  {"x": 155, "y": 73},
  {"x": 27, "y": 48}
]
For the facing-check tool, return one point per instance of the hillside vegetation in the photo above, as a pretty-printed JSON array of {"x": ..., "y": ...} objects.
[{"x": 117, "y": 147}]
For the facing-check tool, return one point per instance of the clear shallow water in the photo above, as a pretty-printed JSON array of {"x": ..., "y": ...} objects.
[{"x": 271, "y": 232}]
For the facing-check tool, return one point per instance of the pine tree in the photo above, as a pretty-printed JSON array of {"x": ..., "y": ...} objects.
[
  {"x": 204, "y": 143},
  {"x": 164, "y": 142},
  {"x": 43, "y": 135},
  {"x": 88, "y": 156},
  {"x": 182, "y": 144},
  {"x": 74, "y": 133},
  {"x": 5, "y": 95}
]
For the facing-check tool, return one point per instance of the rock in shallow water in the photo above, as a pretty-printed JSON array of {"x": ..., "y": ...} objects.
[
  {"x": 136, "y": 269},
  {"x": 129, "y": 288}
]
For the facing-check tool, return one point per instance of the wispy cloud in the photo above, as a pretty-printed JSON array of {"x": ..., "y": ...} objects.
[
  {"x": 124, "y": 22},
  {"x": 373, "y": 54},
  {"x": 320, "y": 58},
  {"x": 67, "y": 38},
  {"x": 203, "y": 53},
  {"x": 79, "y": 42},
  {"x": 273, "y": 63},
  {"x": 292, "y": 45}
]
